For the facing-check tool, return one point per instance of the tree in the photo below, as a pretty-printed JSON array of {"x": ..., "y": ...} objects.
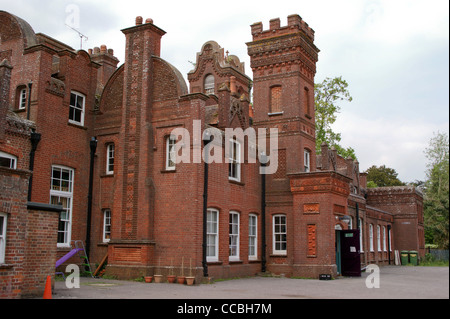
[
  {"x": 327, "y": 95},
  {"x": 382, "y": 176},
  {"x": 436, "y": 202}
]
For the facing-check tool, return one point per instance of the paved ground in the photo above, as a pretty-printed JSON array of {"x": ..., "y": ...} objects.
[{"x": 395, "y": 283}]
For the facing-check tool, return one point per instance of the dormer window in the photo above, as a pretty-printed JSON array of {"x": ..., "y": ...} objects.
[{"x": 209, "y": 84}]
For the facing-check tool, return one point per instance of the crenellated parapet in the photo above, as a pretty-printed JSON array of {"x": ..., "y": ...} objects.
[{"x": 283, "y": 48}]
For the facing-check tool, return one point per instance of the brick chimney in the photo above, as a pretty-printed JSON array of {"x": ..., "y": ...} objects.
[{"x": 143, "y": 42}]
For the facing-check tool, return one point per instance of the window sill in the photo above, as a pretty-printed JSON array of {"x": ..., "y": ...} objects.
[
  {"x": 106, "y": 175},
  {"x": 80, "y": 126},
  {"x": 232, "y": 181},
  {"x": 279, "y": 255},
  {"x": 167, "y": 171},
  {"x": 235, "y": 261},
  {"x": 275, "y": 113},
  {"x": 217, "y": 262},
  {"x": 6, "y": 266}
]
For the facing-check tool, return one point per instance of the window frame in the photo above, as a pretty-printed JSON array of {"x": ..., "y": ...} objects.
[
  {"x": 275, "y": 241},
  {"x": 171, "y": 155},
  {"x": 74, "y": 108},
  {"x": 67, "y": 211},
  {"x": 307, "y": 160},
  {"x": 215, "y": 245},
  {"x": 234, "y": 160},
  {"x": 371, "y": 246},
  {"x": 3, "y": 233},
  {"x": 234, "y": 236},
  {"x": 110, "y": 158},
  {"x": 379, "y": 237},
  {"x": 12, "y": 158},
  {"x": 107, "y": 223},
  {"x": 23, "y": 92},
  {"x": 253, "y": 237}
]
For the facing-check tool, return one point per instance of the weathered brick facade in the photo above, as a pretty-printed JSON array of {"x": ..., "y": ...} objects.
[{"x": 146, "y": 210}]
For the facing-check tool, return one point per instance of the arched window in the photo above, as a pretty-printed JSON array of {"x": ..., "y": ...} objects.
[{"x": 209, "y": 84}]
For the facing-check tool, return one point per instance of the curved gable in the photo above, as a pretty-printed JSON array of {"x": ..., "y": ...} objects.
[
  {"x": 15, "y": 28},
  {"x": 168, "y": 81}
]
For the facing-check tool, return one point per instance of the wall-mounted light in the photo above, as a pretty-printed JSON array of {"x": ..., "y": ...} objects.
[{"x": 346, "y": 219}]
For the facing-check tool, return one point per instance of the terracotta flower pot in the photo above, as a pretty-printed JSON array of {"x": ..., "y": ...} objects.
[
  {"x": 158, "y": 278},
  {"x": 148, "y": 279},
  {"x": 171, "y": 278},
  {"x": 190, "y": 281},
  {"x": 181, "y": 279}
]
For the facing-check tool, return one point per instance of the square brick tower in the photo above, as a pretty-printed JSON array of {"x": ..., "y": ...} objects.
[{"x": 302, "y": 203}]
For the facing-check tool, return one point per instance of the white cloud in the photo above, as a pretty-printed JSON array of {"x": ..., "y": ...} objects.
[
  {"x": 394, "y": 55},
  {"x": 387, "y": 141}
]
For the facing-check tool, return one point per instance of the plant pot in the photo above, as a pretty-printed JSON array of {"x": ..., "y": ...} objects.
[
  {"x": 181, "y": 279},
  {"x": 171, "y": 278},
  {"x": 148, "y": 279},
  {"x": 158, "y": 278},
  {"x": 190, "y": 281}
]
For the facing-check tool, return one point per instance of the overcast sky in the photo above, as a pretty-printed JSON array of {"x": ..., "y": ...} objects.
[{"x": 393, "y": 53}]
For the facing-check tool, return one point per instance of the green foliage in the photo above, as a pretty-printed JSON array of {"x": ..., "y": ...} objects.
[
  {"x": 382, "y": 177},
  {"x": 436, "y": 191},
  {"x": 327, "y": 95}
]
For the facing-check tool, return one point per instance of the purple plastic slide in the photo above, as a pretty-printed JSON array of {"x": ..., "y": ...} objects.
[{"x": 67, "y": 256}]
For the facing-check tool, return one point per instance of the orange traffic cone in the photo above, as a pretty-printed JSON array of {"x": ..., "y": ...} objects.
[{"x": 48, "y": 288}]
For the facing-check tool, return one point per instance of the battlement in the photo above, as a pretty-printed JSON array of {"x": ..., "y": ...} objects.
[{"x": 295, "y": 24}]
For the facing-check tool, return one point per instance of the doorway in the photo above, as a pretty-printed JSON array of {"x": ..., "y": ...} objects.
[{"x": 348, "y": 260}]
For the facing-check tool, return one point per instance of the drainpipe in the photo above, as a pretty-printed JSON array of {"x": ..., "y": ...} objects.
[
  {"x": 206, "y": 141},
  {"x": 29, "y": 99},
  {"x": 358, "y": 226},
  {"x": 34, "y": 138},
  {"x": 263, "y": 212},
  {"x": 93, "y": 146},
  {"x": 389, "y": 242}
]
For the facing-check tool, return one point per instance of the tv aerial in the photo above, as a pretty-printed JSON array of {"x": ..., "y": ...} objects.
[{"x": 81, "y": 35}]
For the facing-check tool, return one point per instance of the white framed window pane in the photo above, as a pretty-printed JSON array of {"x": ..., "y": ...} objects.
[
  {"x": 253, "y": 237},
  {"x": 378, "y": 237},
  {"x": 212, "y": 235},
  {"x": 106, "y": 225},
  {"x": 23, "y": 99},
  {"x": 234, "y": 236},
  {"x": 371, "y": 237},
  {"x": 110, "y": 152},
  {"x": 8, "y": 160},
  {"x": 307, "y": 160},
  {"x": 76, "y": 108},
  {"x": 234, "y": 168},
  {"x": 170, "y": 153},
  {"x": 279, "y": 234},
  {"x": 3, "y": 220},
  {"x": 61, "y": 191}
]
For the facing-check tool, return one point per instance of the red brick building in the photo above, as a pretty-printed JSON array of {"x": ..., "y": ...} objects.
[{"x": 140, "y": 125}]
